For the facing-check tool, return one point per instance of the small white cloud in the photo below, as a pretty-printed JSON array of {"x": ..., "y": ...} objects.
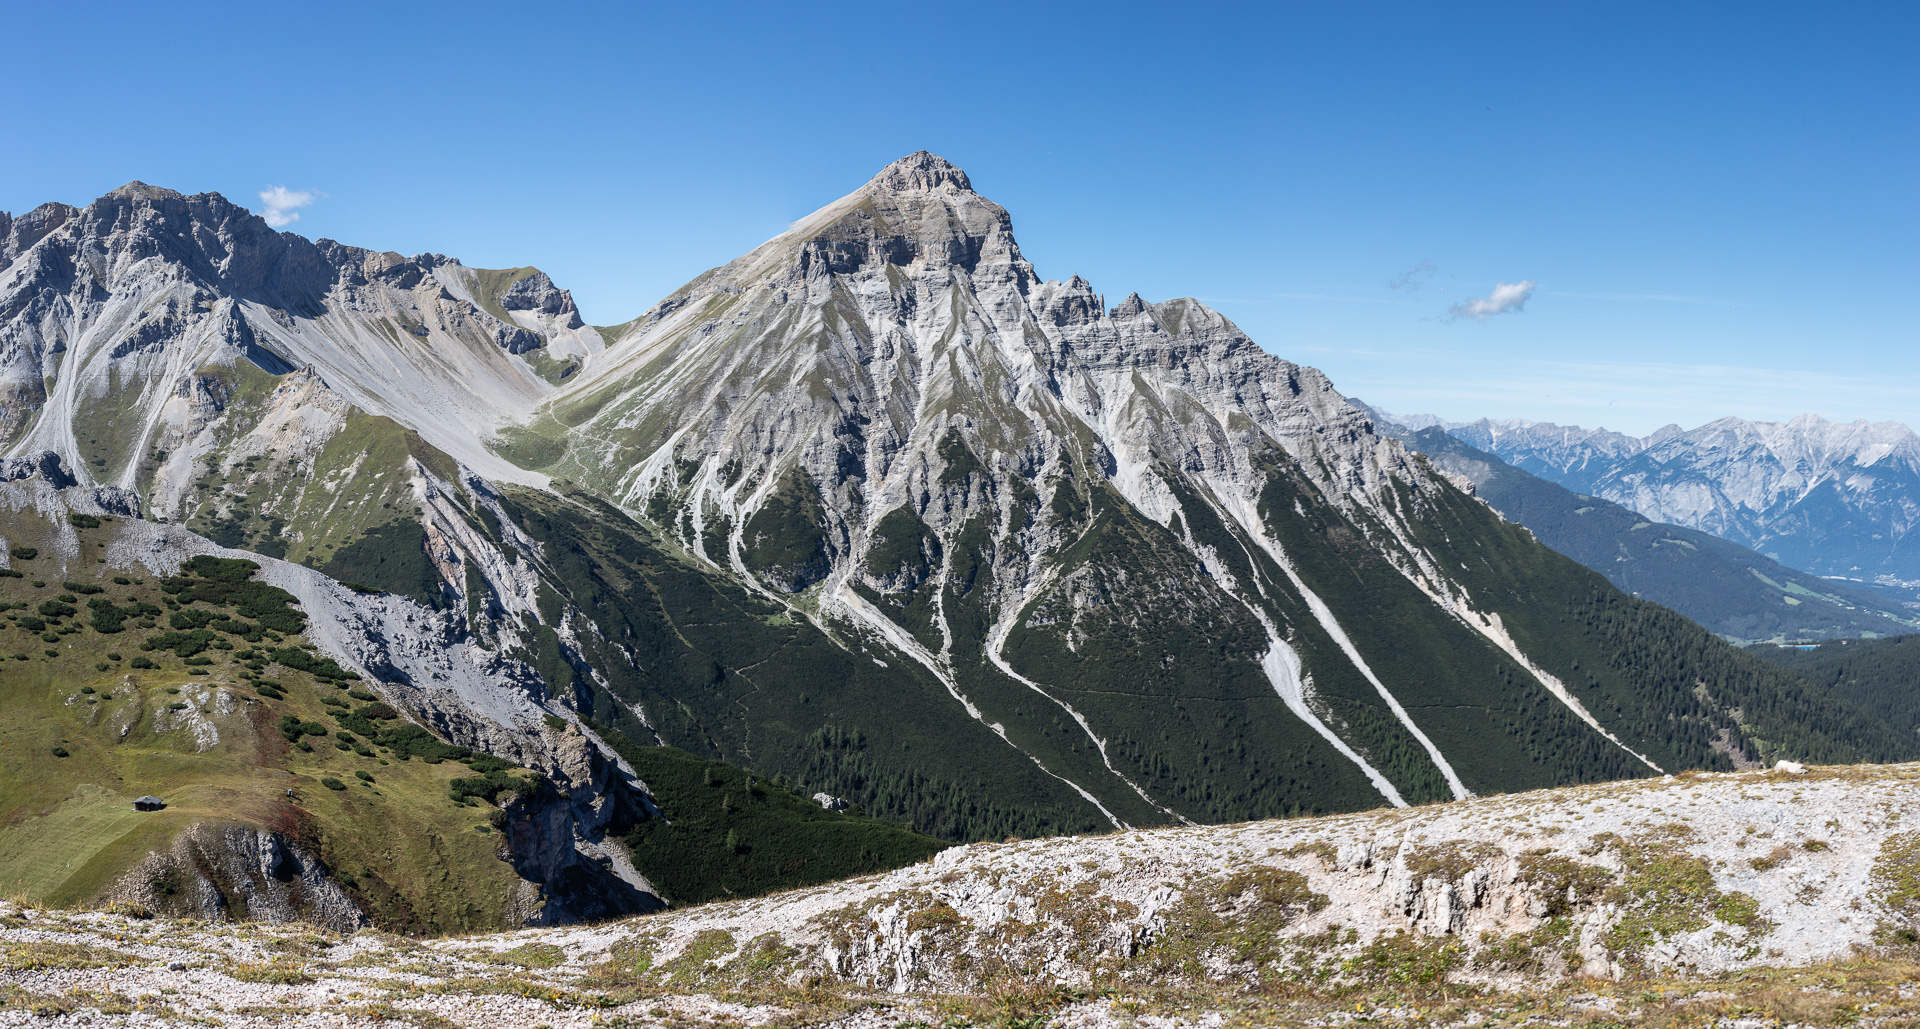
[
  {"x": 281, "y": 204},
  {"x": 1506, "y": 298}
]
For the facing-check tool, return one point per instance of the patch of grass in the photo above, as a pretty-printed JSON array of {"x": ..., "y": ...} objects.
[
  {"x": 1666, "y": 891},
  {"x": 527, "y": 955},
  {"x": 391, "y": 558},
  {"x": 1238, "y": 919},
  {"x": 30, "y": 955},
  {"x": 278, "y": 973}
]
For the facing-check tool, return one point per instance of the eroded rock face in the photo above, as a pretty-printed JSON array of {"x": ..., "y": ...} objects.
[
  {"x": 563, "y": 845},
  {"x": 230, "y": 872}
]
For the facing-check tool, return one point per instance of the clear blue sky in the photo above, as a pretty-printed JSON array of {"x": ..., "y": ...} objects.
[{"x": 1717, "y": 202}]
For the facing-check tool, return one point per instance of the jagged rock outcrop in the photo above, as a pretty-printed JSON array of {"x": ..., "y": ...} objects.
[
  {"x": 232, "y": 872},
  {"x": 1688, "y": 899},
  {"x": 46, "y": 464},
  {"x": 1702, "y": 874}
]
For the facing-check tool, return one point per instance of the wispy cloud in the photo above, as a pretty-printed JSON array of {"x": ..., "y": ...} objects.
[
  {"x": 1413, "y": 278},
  {"x": 1506, "y": 298},
  {"x": 282, "y": 204}
]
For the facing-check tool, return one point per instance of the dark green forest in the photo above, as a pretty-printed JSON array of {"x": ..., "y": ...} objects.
[{"x": 1881, "y": 676}]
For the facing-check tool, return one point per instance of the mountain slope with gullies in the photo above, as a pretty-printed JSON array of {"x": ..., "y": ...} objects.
[
  {"x": 336, "y": 754},
  {"x": 1165, "y": 575},
  {"x": 873, "y": 511}
]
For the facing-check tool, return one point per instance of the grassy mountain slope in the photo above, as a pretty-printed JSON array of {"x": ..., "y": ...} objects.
[
  {"x": 288, "y": 469},
  {"x": 201, "y": 688},
  {"x": 93, "y": 719},
  {"x": 1726, "y": 587}
]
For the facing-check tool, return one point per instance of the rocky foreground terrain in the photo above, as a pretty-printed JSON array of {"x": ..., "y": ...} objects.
[{"x": 1783, "y": 897}]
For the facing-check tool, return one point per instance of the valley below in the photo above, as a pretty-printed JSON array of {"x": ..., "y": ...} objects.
[{"x": 1789, "y": 896}]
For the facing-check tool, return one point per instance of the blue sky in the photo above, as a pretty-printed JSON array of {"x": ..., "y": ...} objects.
[{"x": 1715, "y": 203}]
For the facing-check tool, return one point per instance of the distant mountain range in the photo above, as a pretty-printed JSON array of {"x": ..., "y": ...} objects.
[
  {"x": 1736, "y": 592},
  {"x": 1834, "y": 499}
]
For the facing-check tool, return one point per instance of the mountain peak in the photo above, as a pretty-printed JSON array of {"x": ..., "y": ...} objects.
[
  {"x": 1130, "y": 307},
  {"x": 921, "y": 172},
  {"x": 137, "y": 190}
]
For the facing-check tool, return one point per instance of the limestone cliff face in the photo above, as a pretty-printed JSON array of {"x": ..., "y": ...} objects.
[{"x": 237, "y": 873}]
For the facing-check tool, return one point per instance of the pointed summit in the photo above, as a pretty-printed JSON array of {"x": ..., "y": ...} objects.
[
  {"x": 921, "y": 172},
  {"x": 137, "y": 190},
  {"x": 1129, "y": 308}
]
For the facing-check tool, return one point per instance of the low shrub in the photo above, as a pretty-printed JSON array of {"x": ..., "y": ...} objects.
[{"x": 318, "y": 667}]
